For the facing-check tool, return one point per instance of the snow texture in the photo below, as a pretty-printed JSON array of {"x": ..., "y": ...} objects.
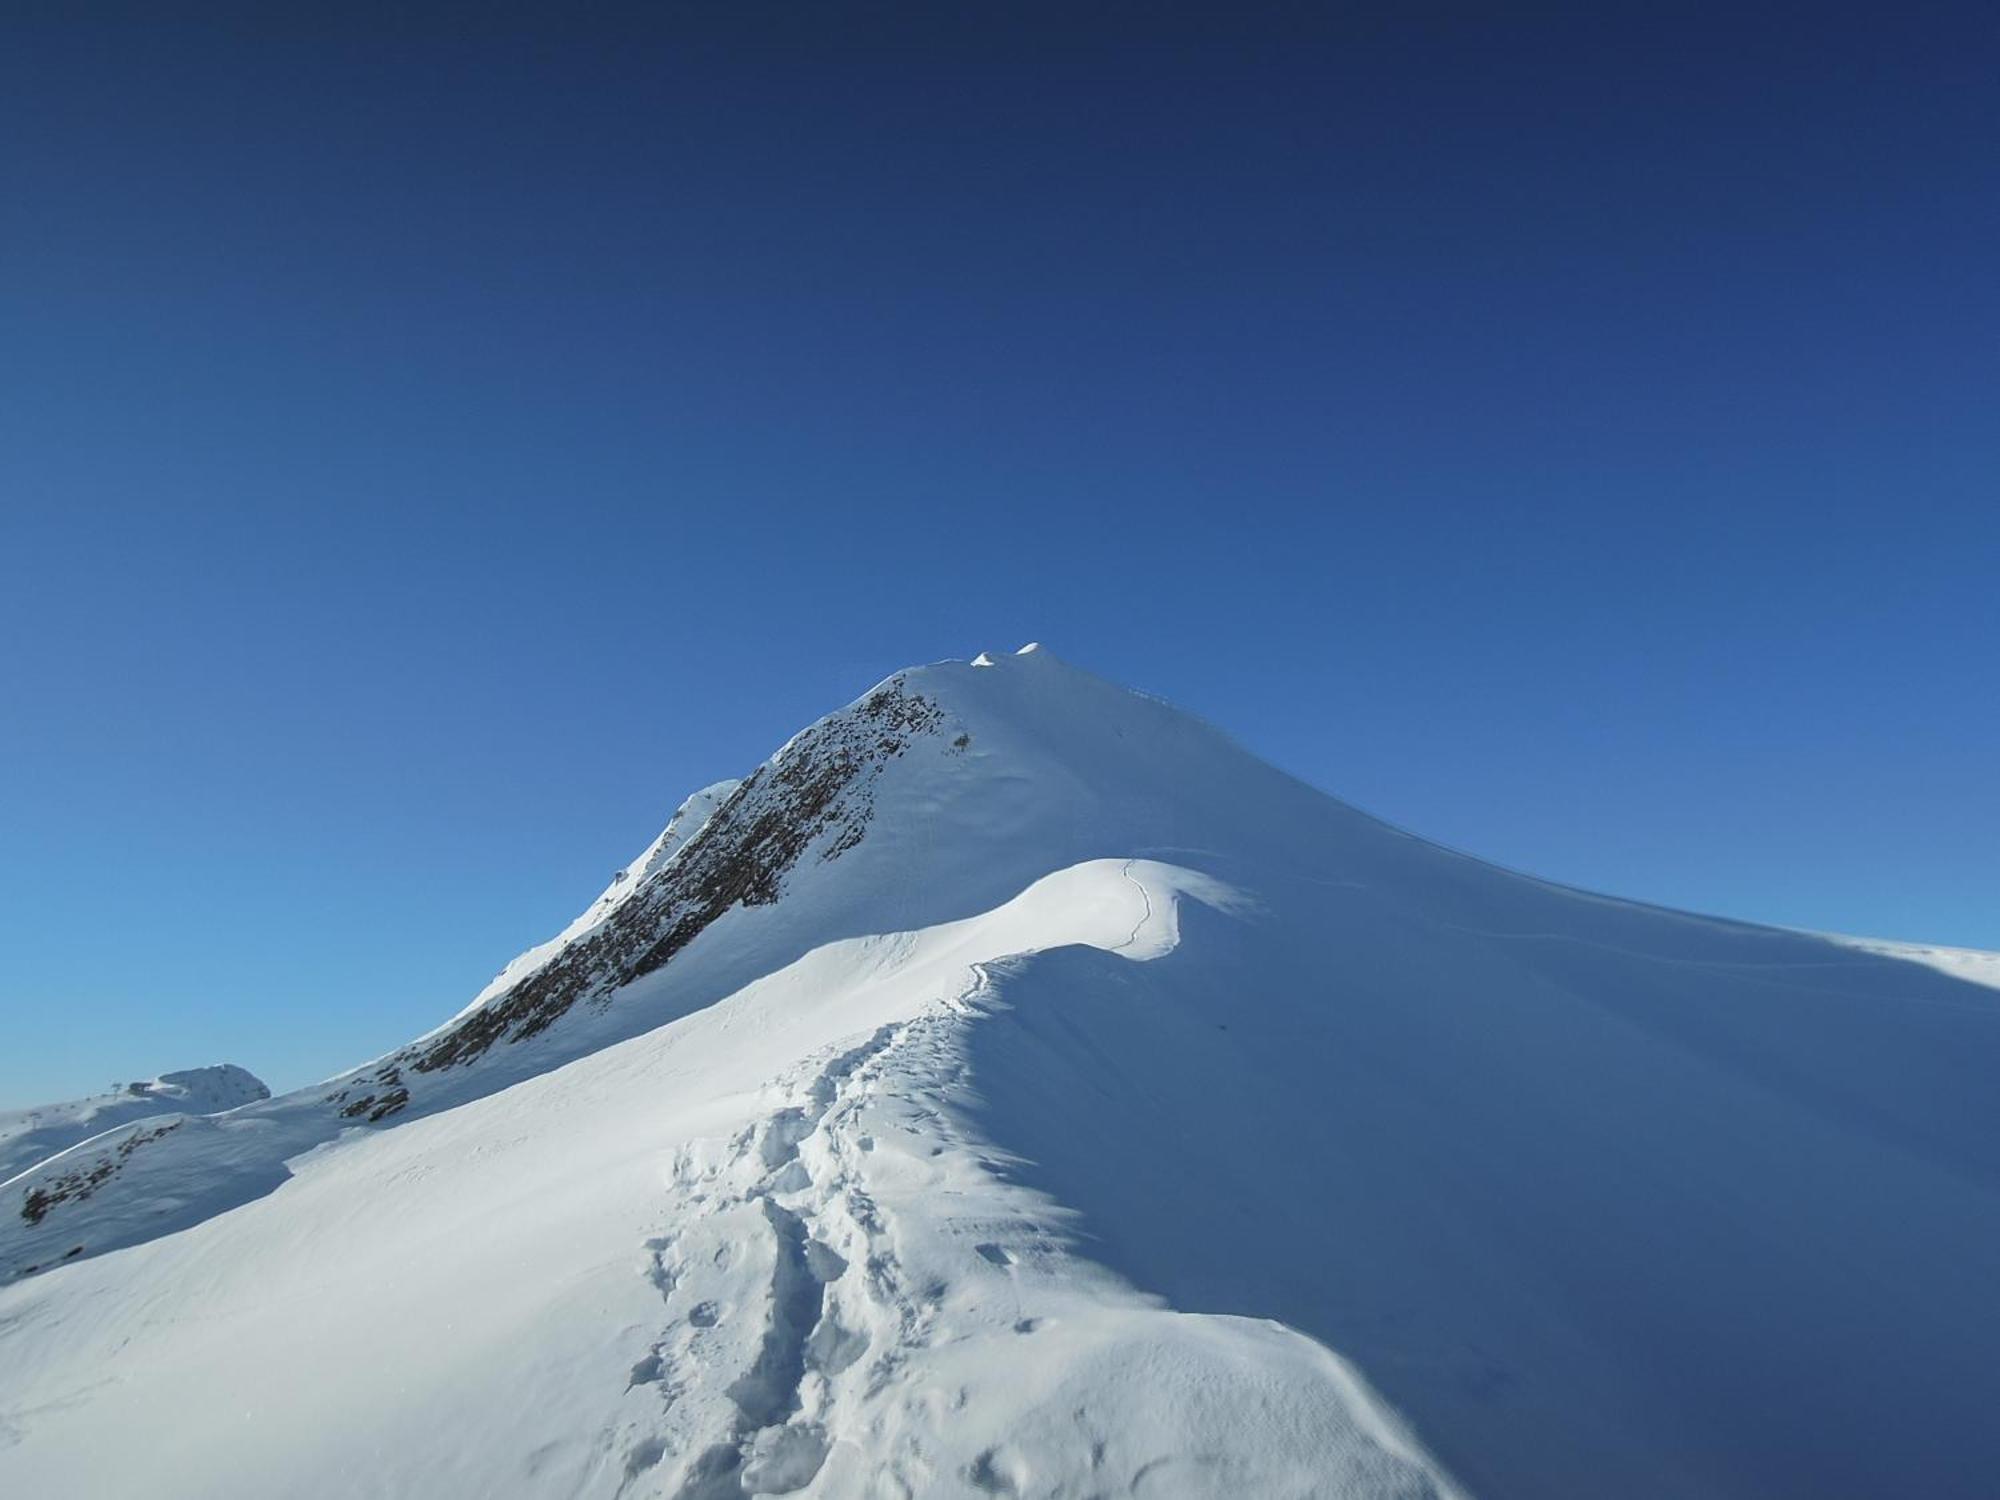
[{"x": 1015, "y": 1088}]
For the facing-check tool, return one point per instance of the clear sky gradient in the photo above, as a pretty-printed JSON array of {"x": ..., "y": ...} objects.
[{"x": 434, "y": 443}]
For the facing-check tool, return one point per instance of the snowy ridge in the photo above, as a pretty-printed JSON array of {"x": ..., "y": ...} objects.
[
  {"x": 29, "y": 1136},
  {"x": 1014, "y": 1087},
  {"x": 1969, "y": 964},
  {"x": 870, "y": 1291}
]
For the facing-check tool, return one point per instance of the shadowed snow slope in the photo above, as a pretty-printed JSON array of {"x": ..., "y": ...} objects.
[{"x": 1014, "y": 1088}]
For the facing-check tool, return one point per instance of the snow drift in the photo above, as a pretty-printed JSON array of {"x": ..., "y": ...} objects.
[{"x": 1014, "y": 1087}]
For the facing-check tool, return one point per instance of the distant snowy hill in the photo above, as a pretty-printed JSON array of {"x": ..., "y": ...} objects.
[
  {"x": 28, "y": 1136},
  {"x": 1013, "y": 1087}
]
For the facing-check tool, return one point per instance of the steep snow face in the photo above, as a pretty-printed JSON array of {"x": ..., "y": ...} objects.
[
  {"x": 28, "y": 1136},
  {"x": 1013, "y": 1087}
]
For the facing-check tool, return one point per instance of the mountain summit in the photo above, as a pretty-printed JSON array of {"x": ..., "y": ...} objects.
[{"x": 1014, "y": 1087}]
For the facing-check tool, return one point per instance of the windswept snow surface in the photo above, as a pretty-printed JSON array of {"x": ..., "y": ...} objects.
[{"x": 1014, "y": 1088}]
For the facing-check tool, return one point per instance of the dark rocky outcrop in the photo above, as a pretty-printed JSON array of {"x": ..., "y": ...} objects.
[
  {"x": 815, "y": 787},
  {"x": 80, "y": 1182}
]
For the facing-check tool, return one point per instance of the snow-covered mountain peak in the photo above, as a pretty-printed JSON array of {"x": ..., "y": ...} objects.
[
  {"x": 1032, "y": 649},
  {"x": 207, "y": 1090},
  {"x": 1014, "y": 1086}
]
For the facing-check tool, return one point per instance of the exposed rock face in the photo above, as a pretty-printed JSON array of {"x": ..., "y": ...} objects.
[{"x": 815, "y": 788}]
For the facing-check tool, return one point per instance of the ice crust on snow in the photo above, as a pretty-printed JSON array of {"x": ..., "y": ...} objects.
[{"x": 1042, "y": 1096}]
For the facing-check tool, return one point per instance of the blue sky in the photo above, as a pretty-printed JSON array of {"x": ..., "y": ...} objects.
[{"x": 431, "y": 447}]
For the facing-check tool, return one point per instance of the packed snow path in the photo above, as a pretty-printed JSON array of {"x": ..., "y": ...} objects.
[{"x": 884, "y": 1253}]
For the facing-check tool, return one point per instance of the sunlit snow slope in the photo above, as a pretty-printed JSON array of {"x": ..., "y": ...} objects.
[{"x": 1015, "y": 1088}]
